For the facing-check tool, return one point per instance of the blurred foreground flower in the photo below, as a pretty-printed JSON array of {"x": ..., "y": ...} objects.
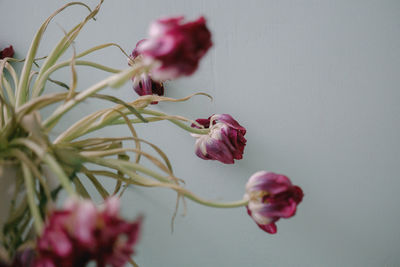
[
  {"x": 81, "y": 233},
  {"x": 271, "y": 196},
  {"x": 225, "y": 141},
  {"x": 175, "y": 47},
  {"x": 7, "y": 52}
]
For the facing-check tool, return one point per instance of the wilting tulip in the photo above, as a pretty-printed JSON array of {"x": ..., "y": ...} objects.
[
  {"x": 225, "y": 140},
  {"x": 143, "y": 84},
  {"x": 174, "y": 47},
  {"x": 271, "y": 196},
  {"x": 7, "y": 52},
  {"x": 81, "y": 232}
]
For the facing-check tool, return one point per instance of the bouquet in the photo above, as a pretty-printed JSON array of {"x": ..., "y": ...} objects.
[{"x": 34, "y": 168}]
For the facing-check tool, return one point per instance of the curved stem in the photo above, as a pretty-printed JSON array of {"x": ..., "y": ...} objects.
[
  {"x": 72, "y": 132},
  {"x": 30, "y": 190},
  {"x": 165, "y": 182},
  {"x": 233, "y": 204},
  {"x": 98, "y": 47},
  {"x": 61, "y": 47},
  {"x": 176, "y": 122},
  {"x": 9, "y": 91},
  {"x": 45, "y": 76},
  {"x": 113, "y": 81},
  {"x": 23, "y": 86},
  {"x": 49, "y": 160},
  {"x": 13, "y": 74}
]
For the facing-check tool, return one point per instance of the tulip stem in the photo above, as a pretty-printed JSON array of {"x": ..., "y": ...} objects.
[
  {"x": 130, "y": 167},
  {"x": 233, "y": 204},
  {"x": 176, "y": 122},
  {"x": 114, "y": 81},
  {"x": 30, "y": 186}
]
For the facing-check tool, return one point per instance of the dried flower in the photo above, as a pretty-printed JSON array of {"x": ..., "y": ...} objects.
[
  {"x": 7, "y": 52},
  {"x": 143, "y": 84},
  {"x": 225, "y": 141},
  {"x": 175, "y": 46},
  {"x": 271, "y": 196},
  {"x": 81, "y": 233}
]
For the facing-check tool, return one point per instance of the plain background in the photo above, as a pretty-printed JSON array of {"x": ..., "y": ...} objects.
[{"x": 316, "y": 85}]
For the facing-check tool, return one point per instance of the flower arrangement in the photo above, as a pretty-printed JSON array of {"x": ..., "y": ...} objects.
[{"x": 35, "y": 231}]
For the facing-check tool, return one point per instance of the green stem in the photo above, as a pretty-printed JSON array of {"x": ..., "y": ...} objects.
[
  {"x": 113, "y": 81},
  {"x": 44, "y": 77},
  {"x": 98, "y": 47},
  {"x": 153, "y": 119},
  {"x": 23, "y": 86},
  {"x": 9, "y": 91},
  {"x": 120, "y": 165},
  {"x": 13, "y": 74},
  {"x": 59, "y": 172},
  {"x": 61, "y": 47},
  {"x": 49, "y": 160},
  {"x": 233, "y": 204},
  {"x": 30, "y": 190},
  {"x": 114, "y": 121},
  {"x": 175, "y": 121}
]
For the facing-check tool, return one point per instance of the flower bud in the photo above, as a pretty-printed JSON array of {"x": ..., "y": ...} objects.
[
  {"x": 271, "y": 196},
  {"x": 225, "y": 141},
  {"x": 7, "y": 52}
]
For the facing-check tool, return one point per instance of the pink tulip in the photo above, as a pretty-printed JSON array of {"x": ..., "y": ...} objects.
[
  {"x": 81, "y": 232},
  {"x": 225, "y": 141},
  {"x": 175, "y": 48},
  {"x": 271, "y": 196}
]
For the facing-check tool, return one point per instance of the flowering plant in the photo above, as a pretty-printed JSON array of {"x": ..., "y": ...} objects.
[{"x": 37, "y": 233}]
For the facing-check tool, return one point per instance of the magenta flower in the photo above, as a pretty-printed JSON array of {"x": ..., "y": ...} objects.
[
  {"x": 225, "y": 141},
  {"x": 143, "y": 84},
  {"x": 175, "y": 47},
  {"x": 271, "y": 196},
  {"x": 81, "y": 233},
  {"x": 7, "y": 52}
]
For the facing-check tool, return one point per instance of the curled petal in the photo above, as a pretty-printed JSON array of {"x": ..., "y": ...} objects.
[
  {"x": 269, "y": 228},
  {"x": 135, "y": 53},
  {"x": 269, "y": 182},
  {"x": 213, "y": 149},
  {"x": 228, "y": 120},
  {"x": 266, "y": 224}
]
